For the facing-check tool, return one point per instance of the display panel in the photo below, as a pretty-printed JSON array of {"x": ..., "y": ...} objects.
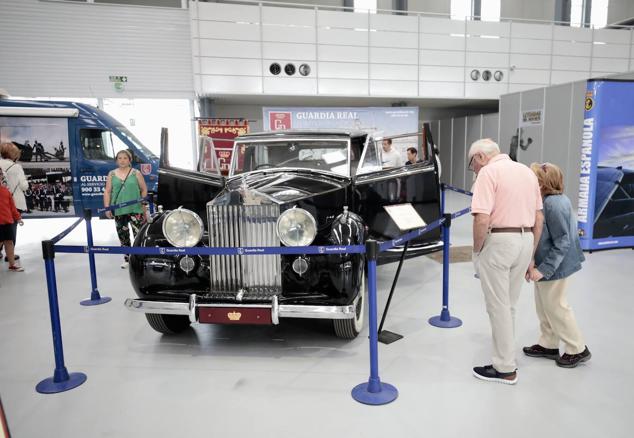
[{"x": 606, "y": 183}]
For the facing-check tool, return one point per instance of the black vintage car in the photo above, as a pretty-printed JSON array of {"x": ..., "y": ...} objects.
[{"x": 292, "y": 188}]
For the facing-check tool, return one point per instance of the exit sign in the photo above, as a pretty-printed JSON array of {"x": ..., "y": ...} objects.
[{"x": 118, "y": 79}]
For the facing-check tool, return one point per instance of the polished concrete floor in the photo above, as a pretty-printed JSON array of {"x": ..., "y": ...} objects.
[{"x": 295, "y": 379}]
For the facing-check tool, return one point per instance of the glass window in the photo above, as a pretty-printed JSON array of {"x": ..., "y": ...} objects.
[
  {"x": 123, "y": 131},
  {"x": 142, "y": 119},
  {"x": 460, "y": 9},
  {"x": 370, "y": 158},
  {"x": 576, "y": 12},
  {"x": 208, "y": 160},
  {"x": 490, "y": 10},
  {"x": 97, "y": 144},
  {"x": 325, "y": 155},
  {"x": 363, "y": 6},
  {"x": 599, "y": 13}
]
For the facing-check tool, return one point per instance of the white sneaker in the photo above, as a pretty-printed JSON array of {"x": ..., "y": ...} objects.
[{"x": 124, "y": 265}]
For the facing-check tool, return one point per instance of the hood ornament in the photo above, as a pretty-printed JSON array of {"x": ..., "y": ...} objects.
[{"x": 249, "y": 196}]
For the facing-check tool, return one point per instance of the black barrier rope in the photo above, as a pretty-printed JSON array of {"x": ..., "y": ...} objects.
[{"x": 67, "y": 231}]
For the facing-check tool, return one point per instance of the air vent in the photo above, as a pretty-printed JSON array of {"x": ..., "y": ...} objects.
[
  {"x": 289, "y": 69},
  {"x": 304, "y": 69},
  {"x": 275, "y": 69}
]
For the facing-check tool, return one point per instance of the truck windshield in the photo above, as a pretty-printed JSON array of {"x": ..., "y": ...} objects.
[
  {"x": 123, "y": 132},
  {"x": 323, "y": 155}
]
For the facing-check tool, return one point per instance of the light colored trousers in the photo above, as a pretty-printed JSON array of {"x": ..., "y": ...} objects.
[
  {"x": 502, "y": 265},
  {"x": 556, "y": 319}
]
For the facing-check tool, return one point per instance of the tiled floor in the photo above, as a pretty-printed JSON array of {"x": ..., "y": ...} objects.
[{"x": 295, "y": 379}]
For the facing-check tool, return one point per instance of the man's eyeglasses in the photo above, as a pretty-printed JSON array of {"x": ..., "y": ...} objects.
[{"x": 470, "y": 167}]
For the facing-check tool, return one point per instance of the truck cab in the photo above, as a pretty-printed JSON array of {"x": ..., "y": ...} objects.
[{"x": 68, "y": 148}]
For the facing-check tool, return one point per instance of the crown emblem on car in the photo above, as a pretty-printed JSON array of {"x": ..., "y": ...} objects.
[{"x": 234, "y": 316}]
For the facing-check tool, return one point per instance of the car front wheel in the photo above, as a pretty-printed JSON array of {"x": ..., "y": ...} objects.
[
  {"x": 168, "y": 324},
  {"x": 350, "y": 328}
]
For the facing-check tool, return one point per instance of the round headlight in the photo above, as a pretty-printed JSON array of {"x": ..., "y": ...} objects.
[
  {"x": 182, "y": 227},
  {"x": 296, "y": 227}
]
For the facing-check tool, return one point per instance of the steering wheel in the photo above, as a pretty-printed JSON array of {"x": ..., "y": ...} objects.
[{"x": 263, "y": 165}]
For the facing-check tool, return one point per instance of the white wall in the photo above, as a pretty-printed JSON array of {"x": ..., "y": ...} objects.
[
  {"x": 395, "y": 56},
  {"x": 68, "y": 49}
]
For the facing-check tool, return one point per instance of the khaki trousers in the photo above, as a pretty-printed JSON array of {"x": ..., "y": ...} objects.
[
  {"x": 502, "y": 265},
  {"x": 556, "y": 319}
]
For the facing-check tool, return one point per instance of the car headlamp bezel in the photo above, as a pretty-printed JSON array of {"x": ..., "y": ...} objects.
[
  {"x": 172, "y": 241},
  {"x": 296, "y": 210}
]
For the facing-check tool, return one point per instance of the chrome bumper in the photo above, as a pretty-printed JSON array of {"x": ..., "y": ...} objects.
[{"x": 277, "y": 310}]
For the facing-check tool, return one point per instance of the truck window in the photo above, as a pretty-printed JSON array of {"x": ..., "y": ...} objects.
[
  {"x": 100, "y": 144},
  {"x": 96, "y": 144}
]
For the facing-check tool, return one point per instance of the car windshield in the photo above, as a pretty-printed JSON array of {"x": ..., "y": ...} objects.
[
  {"x": 124, "y": 132},
  {"x": 322, "y": 155}
]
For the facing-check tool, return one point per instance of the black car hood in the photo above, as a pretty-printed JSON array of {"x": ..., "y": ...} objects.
[{"x": 280, "y": 187}]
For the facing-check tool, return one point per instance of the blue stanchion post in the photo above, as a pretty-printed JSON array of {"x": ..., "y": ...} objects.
[
  {"x": 62, "y": 380},
  {"x": 95, "y": 298},
  {"x": 373, "y": 392},
  {"x": 445, "y": 320}
]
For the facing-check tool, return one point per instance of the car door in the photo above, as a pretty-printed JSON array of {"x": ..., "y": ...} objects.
[
  {"x": 415, "y": 183},
  {"x": 187, "y": 188}
]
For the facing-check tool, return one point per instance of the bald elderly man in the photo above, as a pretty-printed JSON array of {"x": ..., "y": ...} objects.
[{"x": 507, "y": 223}]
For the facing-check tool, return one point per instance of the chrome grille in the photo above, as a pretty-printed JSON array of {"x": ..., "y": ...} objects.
[{"x": 244, "y": 277}]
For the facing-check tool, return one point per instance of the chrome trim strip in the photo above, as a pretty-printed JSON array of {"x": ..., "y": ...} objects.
[
  {"x": 367, "y": 178},
  {"x": 284, "y": 310},
  {"x": 399, "y": 249},
  {"x": 275, "y": 311},
  {"x": 316, "y": 312},
  {"x": 161, "y": 307},
  {"x": 192, "y": 308}
]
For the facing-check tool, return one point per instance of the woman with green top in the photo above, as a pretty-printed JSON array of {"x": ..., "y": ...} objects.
[{"x": 125, "y": 184}]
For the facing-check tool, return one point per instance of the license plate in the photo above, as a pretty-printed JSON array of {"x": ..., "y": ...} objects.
[{"x": 234, "y": 315}]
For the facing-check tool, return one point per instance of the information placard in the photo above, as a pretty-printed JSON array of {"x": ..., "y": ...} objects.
[{"x": 405, "y": 216}]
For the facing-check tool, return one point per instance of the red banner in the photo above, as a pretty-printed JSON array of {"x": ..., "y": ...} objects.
[{"x": 222, "y": 131}]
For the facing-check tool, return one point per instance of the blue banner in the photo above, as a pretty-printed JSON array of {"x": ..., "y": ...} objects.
[{"x": 606, "y": 181}]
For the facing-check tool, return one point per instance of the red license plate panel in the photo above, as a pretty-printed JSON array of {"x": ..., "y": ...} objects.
[{"x": 234, "y": 315}]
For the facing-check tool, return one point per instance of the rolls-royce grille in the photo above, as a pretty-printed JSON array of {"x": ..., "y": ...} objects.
[{"x": 254, "y": 277}]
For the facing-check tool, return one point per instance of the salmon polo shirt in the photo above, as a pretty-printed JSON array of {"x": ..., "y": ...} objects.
[{"x": 508, "y": 192}]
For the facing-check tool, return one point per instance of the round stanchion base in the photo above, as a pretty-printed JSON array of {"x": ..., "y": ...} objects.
[
  {"x": 438, "y": 321},
  {"x": 91, "y": 302},
  {"x": 48, "y": 386},
  {"x": 387, "y": 394}
]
